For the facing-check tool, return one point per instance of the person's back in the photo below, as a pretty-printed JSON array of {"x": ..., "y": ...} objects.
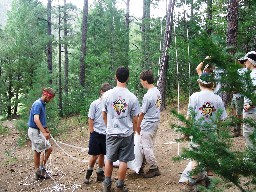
[
  {"x": 152, "y": 106},
  {"x": 120, "y": 113},
  {"x": 120, "y": 104},
  {"x": 206, "y": 106},
  {"x": 95, "y": 113}
]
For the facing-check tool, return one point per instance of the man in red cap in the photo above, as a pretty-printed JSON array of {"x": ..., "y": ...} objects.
[{"x": 39, "y": 134}]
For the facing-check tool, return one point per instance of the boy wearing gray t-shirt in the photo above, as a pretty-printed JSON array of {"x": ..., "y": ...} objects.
[
  {"x": 148, "y": 122},
  {"x": 97, "y": 142},
  {"x": 120, "y": 113}
]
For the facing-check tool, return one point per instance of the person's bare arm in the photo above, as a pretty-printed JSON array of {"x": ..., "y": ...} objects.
[
  {"x": 199, "y": 68},
  {"x": 141, "y": 117},
  {"x": 135, "y": 124},
  {"x": 40, "y": 126},
  {"x": 91, "y": 123}
]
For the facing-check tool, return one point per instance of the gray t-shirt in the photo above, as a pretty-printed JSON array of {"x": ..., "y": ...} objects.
[
  {"x": 151, "y": 107},
  {"x": 95, "y": 113},
  {"x": 121, "y": 106},
  {"x": 240, "y": 73},
  {"x": 205, "y": 105},
  {"x": 247, "y": 100}
]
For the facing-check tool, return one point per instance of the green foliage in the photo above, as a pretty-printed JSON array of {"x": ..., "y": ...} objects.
[
  {"x": 3, "y": 130},
  {"x": 214, "y": 151}
]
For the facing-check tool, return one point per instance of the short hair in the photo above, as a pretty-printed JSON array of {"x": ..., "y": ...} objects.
[
  {"x": 148, "y": 76},
  {"x": 122, "y": 74},
  {"x": 105, "y": 87},
  {"x": 49, "y": 90},
  {"x": 210, "y": 85}
]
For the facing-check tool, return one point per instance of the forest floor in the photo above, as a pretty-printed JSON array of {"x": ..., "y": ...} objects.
[{"x": 17, "y": 172}]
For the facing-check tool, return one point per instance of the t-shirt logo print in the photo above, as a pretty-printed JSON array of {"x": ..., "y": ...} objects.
[
  {"x": 158, "y": 101},
  {"x": 120, "y": 105},
  {"x": 207, "y": 109}
]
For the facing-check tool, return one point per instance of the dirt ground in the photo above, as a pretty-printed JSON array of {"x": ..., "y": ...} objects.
[{"x": 17, "y": 173}]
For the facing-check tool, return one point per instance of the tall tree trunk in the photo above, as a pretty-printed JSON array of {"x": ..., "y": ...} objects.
[
  {"x": 66, "y": 48},
  {"x": 161, "y": 83},
  {"x": 209, "y": 17},
  {"x": 127, "y": 23},
  {"x": 145, "y": 34},
  {"x": 9, "y": 97},
  {"x": 232, "y": 26},
  {"x": 49, "y": 32},
  {"x": 16, "y": 103},
  {"x": 60, "y": 81},
  {"x": 192, "y": 10},
  {"x": 83, "y": 46}
]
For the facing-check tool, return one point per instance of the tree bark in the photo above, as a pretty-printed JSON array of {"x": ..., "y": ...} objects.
[
  {"x": 163, "y": 68},
  {"x": 232, "y": 26},
  {"x": 127, "y": 23},
  {"x": 145, "y": 34},
  {"x": 209, "y": 17},
  {"x": 60, "y": 80},
  {"x": 49, "y": 32},
  {"x": 83, "y": 46},
  {"x": 65, "y": 49}
]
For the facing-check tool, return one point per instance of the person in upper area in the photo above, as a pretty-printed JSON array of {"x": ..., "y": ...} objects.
[
  {"x": 148, "y": 122},
  {"x": 97, "y": 142},
  {"x": 120, "y": 114},
  {"x": 249, "y": 60},
  {"x": 39, "y": 133}
]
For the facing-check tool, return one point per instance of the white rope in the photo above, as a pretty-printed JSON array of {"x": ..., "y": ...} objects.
[
  {"x": 83, "y": 149},
  {"x": 74, "y": 158}
]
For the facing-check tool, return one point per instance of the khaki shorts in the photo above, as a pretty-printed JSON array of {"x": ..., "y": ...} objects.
[{"x": 38, "y": 141}]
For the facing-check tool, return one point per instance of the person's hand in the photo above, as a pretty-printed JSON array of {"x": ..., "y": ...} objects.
[
  {"x": 207, "y": 57},
  {"x": 46, "y": 135},
  {"x": 46, "y": 130}
]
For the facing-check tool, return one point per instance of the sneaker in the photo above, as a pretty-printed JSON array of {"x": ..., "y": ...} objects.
[
  {"x": 106, "y": 187},
  {"x": 41, "y": 173},
  {"x": 152, "y": 173},
  {"x": 87, "y": 176},
  {"x": 38, "y": 175},
  {"x": 121, "y": 189},
  {"x": 100, "y": 176},
  {"x": 141, "y": 171}
]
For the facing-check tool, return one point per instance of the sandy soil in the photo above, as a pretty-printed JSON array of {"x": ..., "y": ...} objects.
[{"x": 17, "y": 173}]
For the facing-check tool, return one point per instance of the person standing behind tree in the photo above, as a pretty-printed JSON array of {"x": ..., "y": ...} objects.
[
  {"x": 237, "y": 105},
  {"x": 120, "y": 114},
  {"x": 249, "y": 107},
  {"x": 39, "y": 133},
  {"x": 97, "y": 143},
  {"x": 205, "y": 108},
  {"x": 148, "y": 122}
]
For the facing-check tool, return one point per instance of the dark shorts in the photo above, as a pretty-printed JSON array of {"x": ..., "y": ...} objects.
[
  {"x": 97, "y": 144},
  {"x": 120, "y": 148}
]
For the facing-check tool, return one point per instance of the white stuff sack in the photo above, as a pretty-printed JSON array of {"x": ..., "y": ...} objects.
[
  {"x": 135, "y": 164},
  {"x": 115, "y": 164}
]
